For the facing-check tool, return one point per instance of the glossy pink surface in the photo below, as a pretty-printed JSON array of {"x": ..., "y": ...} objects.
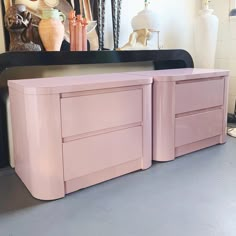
[
  {"x": 102, "y": 175},
  {"x": 103, "y": 151},
  {"x": 71, "y": 133},
  {"x": 203, "y": 94},
  {"x": 62, "y": 85},
  {"x": 189, "y": 110},
  {"x": 202, "y": 125},
  {"x": 37, "y": 143},
  {"x": 112, "y": 109},
  {"x": 183, "y": 74}
]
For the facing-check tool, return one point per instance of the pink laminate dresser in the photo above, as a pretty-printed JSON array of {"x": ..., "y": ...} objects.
[
  {"x": 73, "y": 132},
  {"x": 189, "y": 110}
]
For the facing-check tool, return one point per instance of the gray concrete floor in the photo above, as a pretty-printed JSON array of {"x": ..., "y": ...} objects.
[{"x": 194, "y": 195}]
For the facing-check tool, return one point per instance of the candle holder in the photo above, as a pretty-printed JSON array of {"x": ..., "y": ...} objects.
[{"x": 116, "y": 14}]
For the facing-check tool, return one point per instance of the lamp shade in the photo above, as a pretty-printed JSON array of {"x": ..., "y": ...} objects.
[
  {"x": 232, "y": 12},
  {"x": 145, "y": 19}
]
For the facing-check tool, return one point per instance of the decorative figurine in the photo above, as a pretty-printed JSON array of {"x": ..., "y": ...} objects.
[
  {"x": 138, "y": 40},
  {"x": 17, "y": 21}
]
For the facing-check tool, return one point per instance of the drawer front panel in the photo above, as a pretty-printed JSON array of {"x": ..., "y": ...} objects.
[
  {"x": 88, "y": 155},
  {"x": 95, "y": 112},
  {"x": 196, "y": 127},
  {"x": 199, "y": 95}
]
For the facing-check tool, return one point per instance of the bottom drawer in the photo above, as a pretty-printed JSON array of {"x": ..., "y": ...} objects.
[
  {"x": 196, "y": 127},
  {"x": 88, "y": 155}
]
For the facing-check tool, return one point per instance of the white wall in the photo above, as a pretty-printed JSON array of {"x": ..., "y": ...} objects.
[
  {"x": 226, "y": 47},
  {"x": 176, "y": 23}
]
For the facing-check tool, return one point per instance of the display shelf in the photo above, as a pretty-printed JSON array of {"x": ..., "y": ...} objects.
[{"x": 161, "y": 58}]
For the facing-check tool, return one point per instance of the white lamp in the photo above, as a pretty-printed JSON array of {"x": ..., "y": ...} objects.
[
  {"x": 148, "y": 19},
  {"x": 145, "y": 19}
]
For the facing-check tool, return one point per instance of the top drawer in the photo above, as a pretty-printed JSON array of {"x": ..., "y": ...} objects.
[
  {"x": 93, "y": 112},
  {"x": 191, "y": 96}
]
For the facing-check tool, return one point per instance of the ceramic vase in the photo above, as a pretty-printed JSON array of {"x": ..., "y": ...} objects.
[
  {"x": 51, "y": 29},
  {"x": 206, "y": 30}
]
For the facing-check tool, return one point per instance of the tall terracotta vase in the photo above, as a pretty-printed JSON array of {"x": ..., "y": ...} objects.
[{"x": 51, "y": 29}]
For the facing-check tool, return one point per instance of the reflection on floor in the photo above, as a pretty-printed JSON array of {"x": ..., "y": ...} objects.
[{"x": 194, "y": 195}]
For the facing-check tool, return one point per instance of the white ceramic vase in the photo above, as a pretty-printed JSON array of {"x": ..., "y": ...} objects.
[{"x": 206, "y": 30}]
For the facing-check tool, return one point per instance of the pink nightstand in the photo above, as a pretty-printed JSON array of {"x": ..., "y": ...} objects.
[
  {"x": 74, "y": 132},
  {"x": 189, "y": 110}
]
